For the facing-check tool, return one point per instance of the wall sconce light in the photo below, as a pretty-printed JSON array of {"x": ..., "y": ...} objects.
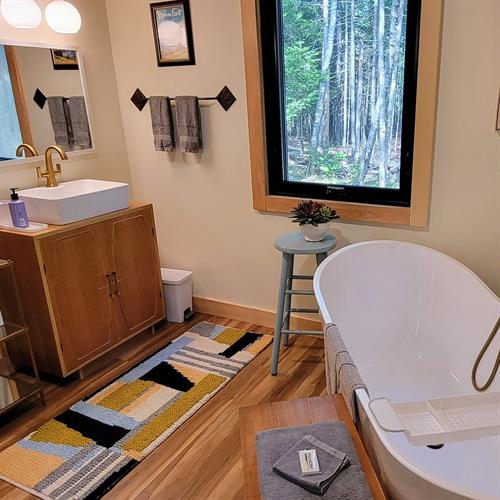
[
  {"x": 63, "y": 17},
  {"x": 21, "y": 13}
]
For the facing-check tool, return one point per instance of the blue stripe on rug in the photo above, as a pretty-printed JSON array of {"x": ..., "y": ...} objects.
[
  {"x": 105, "y": 415},
  {"x": 58, "y": 450},
  {"x": 150, "y": 363}
]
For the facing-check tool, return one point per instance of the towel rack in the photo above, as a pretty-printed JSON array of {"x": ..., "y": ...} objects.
[{"x": 225, "y": 98}]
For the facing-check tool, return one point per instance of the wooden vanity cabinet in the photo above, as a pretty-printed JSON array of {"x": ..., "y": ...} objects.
[{"x": 97, "y": 282}]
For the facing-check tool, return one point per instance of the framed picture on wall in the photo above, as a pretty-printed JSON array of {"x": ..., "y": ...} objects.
[
  {"x": 173, "y": 33},
  {"x": 64, "y": 58}
]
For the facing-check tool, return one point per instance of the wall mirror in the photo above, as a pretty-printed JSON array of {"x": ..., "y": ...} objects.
[{"x": 42, "y": 101}]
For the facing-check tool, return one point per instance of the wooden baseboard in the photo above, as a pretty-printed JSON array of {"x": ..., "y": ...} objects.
[{"x": 249, "y": 314}]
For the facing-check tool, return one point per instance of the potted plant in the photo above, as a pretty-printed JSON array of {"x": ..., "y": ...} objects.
[{"x": 313, "y": 218}]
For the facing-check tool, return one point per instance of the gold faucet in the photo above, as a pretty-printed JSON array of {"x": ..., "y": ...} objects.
[
  {"x": 51, "y": 171},
  {"x": 28, "y": 149}
]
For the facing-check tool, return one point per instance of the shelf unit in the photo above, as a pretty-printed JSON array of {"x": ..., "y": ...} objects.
[{"x": 19, "y": 379}]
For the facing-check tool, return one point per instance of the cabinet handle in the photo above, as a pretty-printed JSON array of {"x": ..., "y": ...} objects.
[
  {"x": 110, "y": 286},
  {"x": 115, "y": 280}
]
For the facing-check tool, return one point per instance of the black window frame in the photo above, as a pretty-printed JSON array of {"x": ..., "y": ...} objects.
[{"x": 270, "y": 20}]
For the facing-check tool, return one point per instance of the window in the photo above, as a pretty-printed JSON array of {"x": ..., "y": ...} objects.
[
  {"x": 10, "y": 137},
  {"x": 339, "y": 80}
]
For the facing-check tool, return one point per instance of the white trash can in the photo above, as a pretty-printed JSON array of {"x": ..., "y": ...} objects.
[{"x": 178, "y": 294}]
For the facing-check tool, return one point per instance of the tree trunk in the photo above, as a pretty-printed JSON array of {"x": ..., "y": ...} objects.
[
  {"x": 377, "y": 120},
  {"x": 329, "y": 24},
  {"x": 394, "y": 52},
  {"x": 359, "y": 105},
  {"x": 352, "y": 83},
  {"x": 382, "y": 132},
  {"x": 344, "y": 95}
]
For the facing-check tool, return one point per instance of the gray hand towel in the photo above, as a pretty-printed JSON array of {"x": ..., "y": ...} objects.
[
  {"x": 79, "y": 122},
  {"x": 350, "y": 484},
  {"x": 331, "y": 463},
  {"x": 61, "y": 121},
  {"x": 344, "y": 377},
  {"x": 187, "y": 114},
  {"x": 162, "y": 123}
]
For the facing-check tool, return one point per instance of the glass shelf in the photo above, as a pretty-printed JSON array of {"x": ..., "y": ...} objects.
[
  {"x": 10, "y": 330},
  {"x": 17, "y": 387},
  {"x": 19, "y": 378}
]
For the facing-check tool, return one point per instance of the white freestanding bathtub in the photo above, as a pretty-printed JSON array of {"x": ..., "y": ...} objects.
[{"x": 414, "y": 321}]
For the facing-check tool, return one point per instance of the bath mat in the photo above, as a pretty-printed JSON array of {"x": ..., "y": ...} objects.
[{"x": 83, "y": 452}]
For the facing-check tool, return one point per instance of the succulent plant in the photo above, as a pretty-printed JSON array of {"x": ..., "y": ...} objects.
[{"x": 313, "y": 212}]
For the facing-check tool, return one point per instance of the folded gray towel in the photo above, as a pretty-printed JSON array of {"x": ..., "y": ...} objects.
[
  {"x": 187, "y": 114},
  {"x": 162, "y": 123},
  {"x": 61, "y": 121},
  {"x": 331, "y": 463},
  {"x": 79, "y": 122},
  {"x": 343, "y": 377},
  {"x": 272, "y": 445}
]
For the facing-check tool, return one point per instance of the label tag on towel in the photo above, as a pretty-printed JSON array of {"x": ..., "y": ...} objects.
[{"x": 309, "y": 462}]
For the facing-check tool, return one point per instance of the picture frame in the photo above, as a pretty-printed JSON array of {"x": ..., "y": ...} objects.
[
  {"x": 173, "y": 33},
  {"x": 64, "y": 59}
]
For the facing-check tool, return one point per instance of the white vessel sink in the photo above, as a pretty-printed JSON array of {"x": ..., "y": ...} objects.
[{"x": 75, "y": 200}]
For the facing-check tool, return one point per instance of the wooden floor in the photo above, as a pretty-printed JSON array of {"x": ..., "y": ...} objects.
[{"x": 202, "y": 459}]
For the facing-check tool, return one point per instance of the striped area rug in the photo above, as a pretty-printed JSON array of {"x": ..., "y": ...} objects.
[{"x": 86, "y": 450}]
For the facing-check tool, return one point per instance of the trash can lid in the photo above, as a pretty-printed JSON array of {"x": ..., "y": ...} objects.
[{"x": 174, "y": 276}]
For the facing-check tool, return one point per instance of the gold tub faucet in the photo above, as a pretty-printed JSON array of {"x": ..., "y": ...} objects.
[
  {"x": 28, "y": 149},
  {"x": 51, "y": 171}
]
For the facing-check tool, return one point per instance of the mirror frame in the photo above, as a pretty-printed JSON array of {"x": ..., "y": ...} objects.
[{"x": 72, "y": 155}]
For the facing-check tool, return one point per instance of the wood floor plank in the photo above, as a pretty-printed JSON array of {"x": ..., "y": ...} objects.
[{"x": 202, "y": 459}]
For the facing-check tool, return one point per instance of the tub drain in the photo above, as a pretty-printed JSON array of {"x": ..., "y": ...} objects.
[{"x": 435, "y": 446}]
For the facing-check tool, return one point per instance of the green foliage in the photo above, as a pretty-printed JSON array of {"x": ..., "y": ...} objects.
[
  {"x": 330, "y": 163},
  {"x": 312, "y": 212},
  {"x": 302, "y": 77},
  {"x": 302, "y": 58}
]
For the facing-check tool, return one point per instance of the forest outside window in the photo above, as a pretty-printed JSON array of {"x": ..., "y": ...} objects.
[{"x": 339, "y": 80}]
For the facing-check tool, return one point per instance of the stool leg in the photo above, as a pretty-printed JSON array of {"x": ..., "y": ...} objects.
[
  {"x": 288, "y": 299},
  {"x": 320, "y": 257},
  {"x": 285, "y": 263}
]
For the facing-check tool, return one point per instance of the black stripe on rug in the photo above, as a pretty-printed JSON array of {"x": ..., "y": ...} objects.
[
  {"x": 101, "y": 433},
  {"x": 241, "y": 343},
  {"x": 165, "y": 374},
  {"x": 107, "y": 485}
]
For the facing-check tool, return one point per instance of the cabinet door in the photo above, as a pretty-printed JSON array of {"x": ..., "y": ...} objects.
[
  {"x": 76, "y": 272},
  {"x": 137, "y": 270}
]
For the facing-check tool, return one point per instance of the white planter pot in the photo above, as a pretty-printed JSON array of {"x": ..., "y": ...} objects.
[{"x": 314, "y": 233}]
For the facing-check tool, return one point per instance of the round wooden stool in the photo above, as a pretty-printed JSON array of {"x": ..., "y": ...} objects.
[{"x": 292, "y": 244}]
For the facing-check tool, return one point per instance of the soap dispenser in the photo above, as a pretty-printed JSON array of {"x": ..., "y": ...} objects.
[{"x": 18, "y": 210}]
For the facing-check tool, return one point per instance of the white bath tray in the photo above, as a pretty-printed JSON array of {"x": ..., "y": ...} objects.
[{"x": 438, "y": 421}]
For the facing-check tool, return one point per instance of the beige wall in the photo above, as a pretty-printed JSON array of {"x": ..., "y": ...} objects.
[
  {"x": 203, "y": 205},
  {"x": 110, "y": 160}
]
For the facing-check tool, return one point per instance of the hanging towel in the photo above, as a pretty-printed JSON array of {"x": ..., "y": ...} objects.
[
  {"x": 61, "y": 121},
  {"x": 187, "y": 113},
  {"x": 162, "y": 123},
  {"x": 343, "y": 377},
  {"x": 79, "y": 123}
]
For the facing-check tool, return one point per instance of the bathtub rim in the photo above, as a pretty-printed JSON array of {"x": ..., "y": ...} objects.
[
  {"x": 364, "y": 399},
  {"x": 325, "y": 314}
]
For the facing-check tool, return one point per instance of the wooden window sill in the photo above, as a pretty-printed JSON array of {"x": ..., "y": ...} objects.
[{"x": 347, "y": 211}]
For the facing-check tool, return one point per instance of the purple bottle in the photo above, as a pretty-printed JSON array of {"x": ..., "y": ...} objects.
[{"x": 18, "y": 210}]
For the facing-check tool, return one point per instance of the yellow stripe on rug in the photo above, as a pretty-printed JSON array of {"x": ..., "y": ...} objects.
[
  {"x": 169, "y": 416},
  {"x": 229, "y": 336},
  {"x": 125, "y": 394}
]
